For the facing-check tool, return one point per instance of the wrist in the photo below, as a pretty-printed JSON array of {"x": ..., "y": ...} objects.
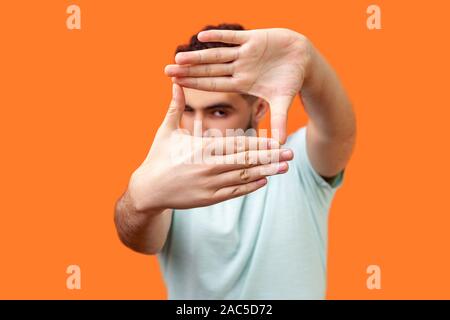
[
  {"x": 313, "y": 71},
  {"x": 139, "y": 198}
]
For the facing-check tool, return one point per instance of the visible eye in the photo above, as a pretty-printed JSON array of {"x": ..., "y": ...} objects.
[
  {"x": 220, "y": 113},
  {"x": 187, "y": 109}
]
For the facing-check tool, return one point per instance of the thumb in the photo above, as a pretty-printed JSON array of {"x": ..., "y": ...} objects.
[
  {"x": 176, "y": 108},
  {"x": 278, "y": 117}
]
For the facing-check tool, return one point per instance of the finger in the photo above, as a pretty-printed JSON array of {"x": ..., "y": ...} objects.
[
  {"x": 217, "y": 84},
  {"x": 225, "y": 36},
  {"x": 248, "y": 159},
  {"x": 246, "y": 175},
  {"x": 239, "y": 190},
  {"x": 278, "y": 117},
  {"x": 204, "y": 70},
  {"x": 176, "y": 108},
  {"x": 236, "y": 144},
  {"x": 212, "y": 55},
  {"x": 201, "y": 149}
]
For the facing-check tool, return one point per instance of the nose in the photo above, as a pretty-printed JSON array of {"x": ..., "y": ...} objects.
[
  {"x": 199, "y": 123},
  {"x": 202, "y": 124},
  {"x": 198, "y": 117}
]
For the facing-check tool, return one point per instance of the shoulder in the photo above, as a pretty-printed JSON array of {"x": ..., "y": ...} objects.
[{"x": 301, "y": 162}]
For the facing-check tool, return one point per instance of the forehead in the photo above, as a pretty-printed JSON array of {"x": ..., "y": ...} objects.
[{"x": 202, "y": 99}]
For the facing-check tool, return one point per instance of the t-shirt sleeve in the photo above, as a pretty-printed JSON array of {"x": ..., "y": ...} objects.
[{"x": 310, "y": 177}]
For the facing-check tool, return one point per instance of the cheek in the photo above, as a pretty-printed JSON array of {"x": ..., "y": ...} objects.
[{"x": 240, "y": 121}]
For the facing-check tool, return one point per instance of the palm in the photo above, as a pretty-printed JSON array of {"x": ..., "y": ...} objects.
[{"x": 268, "y": 63}]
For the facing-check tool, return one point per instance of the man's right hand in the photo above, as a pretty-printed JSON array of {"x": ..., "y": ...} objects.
[{"x": 162, "y": 182}]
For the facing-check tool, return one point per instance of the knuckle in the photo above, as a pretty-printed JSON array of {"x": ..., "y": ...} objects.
[
  {"x": 265, "y": 157},
  {"x": 235, "y": 191},
  {"x": 210, "y": 169},
  {"x": 207, "y": 70},
  {"x": 236, "y": 54},
  {"x": 218, "y": 55},
  {"x": 205, "y": 198},
  {"x": 233, "y": 36},
  {"x": 240, "y": 144},
  {"x": 244, "y": 174},
  {"x": 213, "y": 85},
  {"x": 247, "y": 157},
  {"x": 195, "y": 82},
  {"x": 276, "y": 156},
  {"x": 173, "y": 108}
]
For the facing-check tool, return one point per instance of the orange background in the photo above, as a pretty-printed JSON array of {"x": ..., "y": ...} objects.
[{"x": 79, "y": 110}]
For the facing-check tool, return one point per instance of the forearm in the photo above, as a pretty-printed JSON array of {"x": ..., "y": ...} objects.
[
  {"x": 331, "y": 130},
  {"x": 326, "y": 102},
  {"x": 143, "y": 232}
]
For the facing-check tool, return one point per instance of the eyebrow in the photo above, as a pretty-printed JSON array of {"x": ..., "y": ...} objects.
[{"x": 221, "y": 105}]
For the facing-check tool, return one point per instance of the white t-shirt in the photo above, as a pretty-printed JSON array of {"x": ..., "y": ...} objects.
[{"x": 270, "y": 244}]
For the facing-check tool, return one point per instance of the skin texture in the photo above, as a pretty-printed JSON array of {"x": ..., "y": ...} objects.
[{"x": 275, "y": 65}]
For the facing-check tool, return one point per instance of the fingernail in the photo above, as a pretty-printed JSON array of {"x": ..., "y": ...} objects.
[
  {"x": 287, "y": 154},
  {"x": 261, "y": 182},
  {"x": 282, "y": 167}
]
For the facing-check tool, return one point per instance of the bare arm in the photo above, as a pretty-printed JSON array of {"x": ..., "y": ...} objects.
[
  {"x": 143, "y": 232},
  {"x": 331, "y": 129}
]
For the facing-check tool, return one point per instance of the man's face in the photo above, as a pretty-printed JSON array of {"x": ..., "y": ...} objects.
[{"x": 218, "y": 110}]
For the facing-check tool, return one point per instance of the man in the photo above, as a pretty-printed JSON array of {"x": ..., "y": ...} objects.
[{"x": 229, "y": 231}]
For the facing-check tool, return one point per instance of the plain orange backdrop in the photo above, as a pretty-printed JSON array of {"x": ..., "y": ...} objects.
[{"x": 79, "y": 110}]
